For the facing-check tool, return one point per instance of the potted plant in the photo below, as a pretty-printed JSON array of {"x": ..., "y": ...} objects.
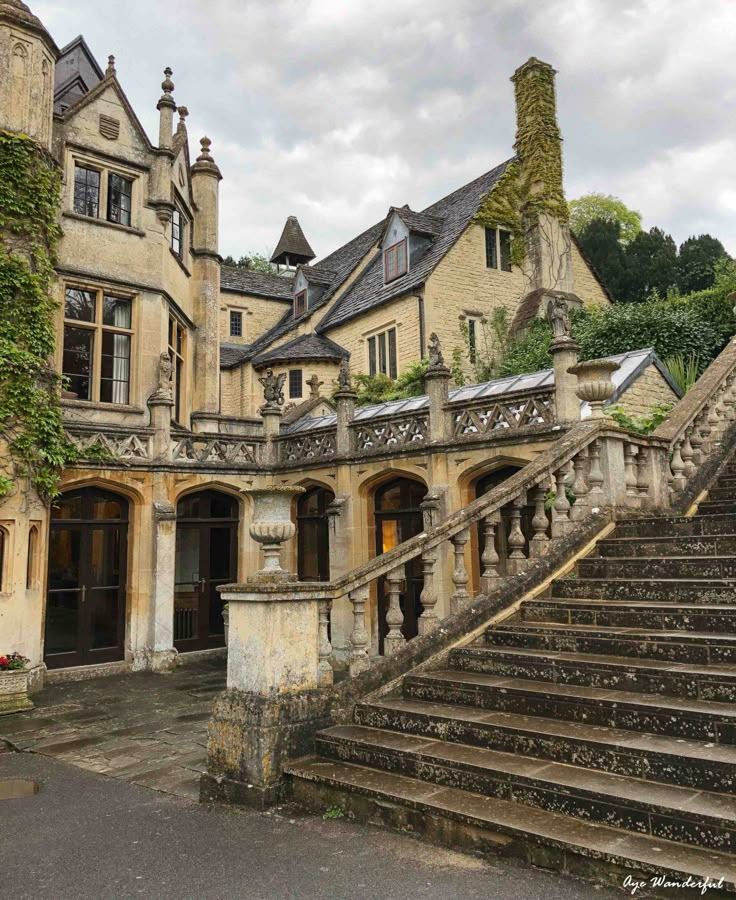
[{"x": 14, "y": 684}]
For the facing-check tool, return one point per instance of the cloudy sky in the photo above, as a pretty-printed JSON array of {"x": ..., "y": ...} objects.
[{"x": 332, "y": 110}]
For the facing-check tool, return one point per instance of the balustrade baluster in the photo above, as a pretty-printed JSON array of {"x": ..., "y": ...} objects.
[
  {"x": 561, "y": 523},
  {"x": 696, "y": 442},
  {"x": 580, "y": 487},
  {"x": 359, "y": 659},
  {"x": 539, "y": 543},
  {"x": 516, "y": 562},
  {"x": 687, "y": 455},
  {"x": 677, "y": 468},
  {"x": 705, "y": 434},
  {"x": 728, "y": 401},
  {"x": 394, "y": 640},
  {"x": 460, "y": 597},
  {"x": 325, "y": 647},
  {"x": 716, "y": 415},
  {"x": 489, "y": 559},
  {"x": 595, "y": 475},
  {"x": 429, "y": 618},
  {"x": 630, "y": 469},
  {"x": 642, "y": 476}
]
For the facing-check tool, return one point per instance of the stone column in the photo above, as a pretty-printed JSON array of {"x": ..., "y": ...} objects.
[
  {"x": 564, "y": 352},
  {"x": 339, "y": 517},
  {"x": 271, "y": 429},
  {"x": 164, "y": 656},
  {"x": 160, "y": 403},
  {"x": 437, "y": 386},
  {"x": 345, "y": 410}
]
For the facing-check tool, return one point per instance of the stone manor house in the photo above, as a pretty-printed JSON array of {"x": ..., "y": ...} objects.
[{"x": 166, "y": 353}]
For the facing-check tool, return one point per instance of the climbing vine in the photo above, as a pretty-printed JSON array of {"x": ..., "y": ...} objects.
[
  {"x": 531, "y": 184},
  {"x": 30, "y": 414}
]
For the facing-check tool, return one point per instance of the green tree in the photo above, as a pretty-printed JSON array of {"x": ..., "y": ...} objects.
[
  {"x": 597, "y": 207},
  {"x": 696, "y": 263},
  {"x": 254, "y": 262},
  {"x": 651, "y": 266},
  {"x": 600, "y": 242}
]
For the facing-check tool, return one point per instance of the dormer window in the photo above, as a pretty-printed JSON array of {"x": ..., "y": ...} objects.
[
  {"x": 300, "y": 304},
  {"x": 394, "y": 261}
]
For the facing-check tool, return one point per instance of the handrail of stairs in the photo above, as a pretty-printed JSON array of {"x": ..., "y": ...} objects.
[{"x": 698, "y": 422}]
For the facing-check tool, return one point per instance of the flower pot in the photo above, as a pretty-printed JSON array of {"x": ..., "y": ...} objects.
[{"x": 14, "y": 691}]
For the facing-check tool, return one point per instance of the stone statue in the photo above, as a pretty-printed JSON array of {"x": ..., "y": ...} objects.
[
  {"x": 436, "y": 359},
  {"x": 343, "y": 378},
  {"x": 314, "y": 385},
  {"x": 273, "y": 388},
  {"x": 165, "y": 372},
  {"x": 558, "y": 317}
]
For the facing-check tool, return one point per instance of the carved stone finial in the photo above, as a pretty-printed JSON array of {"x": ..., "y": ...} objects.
[
  {"x": 273, "y": 389},
  {"x": 165, "y": 372},
  {"x": 344, "y": 382},
  {"x": 558, "y": 317},
  {"x": 314, "y": 385},
  {"x": 204, "y": 156},
  {"x": 436, "y": 359},
  {"x": 183, "y": 113},
  {"x": 167, "y": 85},
  {"x": 110, "y": 71}
]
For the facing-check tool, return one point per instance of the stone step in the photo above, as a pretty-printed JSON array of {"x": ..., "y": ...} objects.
[
  {"x": 693, "y": 545},
  {"x": 725, "y": 493},
  {"x": 662, "y": 810},
  {"x": 675, "y": 590},
  {"x": 475, "y": 820},
  {"x": 597, "y": 670},
  {"x": 715, "y": 507},
  {"x": 701, "y": 617},
  {"x": 695, "y": 648},
  {"x": 654, "y": 713},
  {"x": 678, "y": 526},
  {"x": 680, "y": 567},
  {"x": 694, "y": 764}
]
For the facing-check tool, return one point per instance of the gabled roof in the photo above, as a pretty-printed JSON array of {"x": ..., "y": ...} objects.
[
  {"x": 79, "y": 41},
  {"x": 317, "y": 274},
  {"x": 109, "y": 81},
  {"x": 232, "y": 355},
  {"x": 419, "y": 223},
  {"x": 308, "y": 346},
  {"x": 453, "y": 213},
  {"x": 292, "y": 244},
  {"x": 260, "y": 284}
]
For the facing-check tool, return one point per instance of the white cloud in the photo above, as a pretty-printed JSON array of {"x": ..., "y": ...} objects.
[{"x": 333, "y": 110}]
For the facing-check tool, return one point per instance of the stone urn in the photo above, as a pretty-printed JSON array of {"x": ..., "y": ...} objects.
[
  {"x": 595, "y": 385},
  {"x": 271, "y": 526}
]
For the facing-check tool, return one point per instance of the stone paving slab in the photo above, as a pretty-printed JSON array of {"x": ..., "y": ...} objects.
[{"x": 141, "y": 728}]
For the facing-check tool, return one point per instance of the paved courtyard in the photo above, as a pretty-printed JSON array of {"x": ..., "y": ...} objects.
[{"x": 147, "y": 729}]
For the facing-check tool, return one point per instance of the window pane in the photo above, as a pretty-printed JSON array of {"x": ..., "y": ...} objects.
[
  {"x": 382, "y": 352},
  {"x": 118, "y": 199},
  {"x": 77, "y": 360},
  {"x": 115, "y": 376},
  {"x": 392, "y": 363},
  {"x": 390, "y": 262},
  {"x": 401, "y": 258},
  {"x": 86, "y": 191},
  {"x": 491, "y": 255},
  {"x": 371, "y": 356},
  {"x": 176, "y": 232},
  {"x": 295, "y": 383},
  {"x": 116, "y": 312},
  {"x": 504, "y": 240},
  {"x": 79, "y": 305},
  {"x": 236, "y": 324}
]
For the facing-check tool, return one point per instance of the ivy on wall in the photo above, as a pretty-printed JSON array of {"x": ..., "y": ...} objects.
[
  {"x": 531, "y": 184},
  {"x": 30, "y": 413}
]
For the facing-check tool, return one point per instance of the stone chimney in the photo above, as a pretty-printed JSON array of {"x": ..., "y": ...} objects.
[
  {"x": 29, "y": 57},
  {"x": 548, "y": 258}
]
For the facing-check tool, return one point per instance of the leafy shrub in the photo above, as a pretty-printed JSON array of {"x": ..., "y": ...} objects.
[
  {"x": 683, "y": 370},
  {"x": 643, "y": 425},
  {"x": 380, "y": 388}
]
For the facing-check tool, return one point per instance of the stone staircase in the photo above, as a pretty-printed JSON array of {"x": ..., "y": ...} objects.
[{"x": 595, "y": 732}]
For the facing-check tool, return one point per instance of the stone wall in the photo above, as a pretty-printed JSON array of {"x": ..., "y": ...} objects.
[
  {"x": 650, "y": 388},
  {"x": 259, "y": 314}
]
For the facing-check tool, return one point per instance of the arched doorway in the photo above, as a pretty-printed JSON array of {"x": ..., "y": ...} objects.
[
  {"x": 483, "y": 486},
  {"x": 313, "y": 535},
  {"x": 206, "y": 557},
  {"x": 398, "y": 517},
  {"x": 85, "y": 602}
]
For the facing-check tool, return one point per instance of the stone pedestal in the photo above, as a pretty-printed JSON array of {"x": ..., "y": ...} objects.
[
  {"x": 271, "y": 428},
  {"x": 564, "y": 352},
  {"x": 344, "y": 409},
  {"x": 437, "y": 386},
  {"x": 160, "y": 404},
  {"x": 164, "y": 656},
  {"x": 14, "y": 691}
]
